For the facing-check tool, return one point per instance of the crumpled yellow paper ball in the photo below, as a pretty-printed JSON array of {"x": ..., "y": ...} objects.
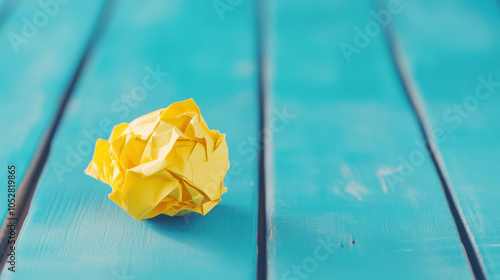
[{"x": 166, "y": 162}]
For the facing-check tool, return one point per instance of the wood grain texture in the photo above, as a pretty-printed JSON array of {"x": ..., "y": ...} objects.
[
  {"x": 34, "y": 74},
  {"x": 452, "y": 50},
  {"x": 333, "y": 207},
  {"x": 73, "y": 230}
]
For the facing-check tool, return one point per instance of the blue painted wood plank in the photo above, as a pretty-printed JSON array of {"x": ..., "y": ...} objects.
[
  {"x": 335, "y": 207},
  {"x": 73, "y": 229},
  {"x": 452, "y": 50},
  {"x": 36, "y": 68},
  {"x": 5, "y": 7}
]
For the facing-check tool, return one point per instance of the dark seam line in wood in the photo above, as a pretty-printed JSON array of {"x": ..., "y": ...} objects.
[
  {"x": 28, "y": 185},
  {"x": 262, "y": 226},
  {"x": 413, "y": 98},
  {"x": 6, "y": 10}
]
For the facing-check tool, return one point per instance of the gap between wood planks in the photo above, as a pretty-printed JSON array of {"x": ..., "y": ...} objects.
[
  {"x": 264, "y": 104},
  {"x": 415, "y": 101},
  {"x": 28, "y": 185}
]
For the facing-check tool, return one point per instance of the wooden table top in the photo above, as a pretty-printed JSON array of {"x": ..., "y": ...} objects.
[{"x": 364, "y": 136}]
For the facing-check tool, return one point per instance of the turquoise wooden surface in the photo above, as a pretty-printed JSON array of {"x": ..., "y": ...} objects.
[
  {"x": 73, "y": 230},
  {"x": 35, "y": 74},
  {"x": 451, "y": 63},
  {"x": 333, "y": 211},
  {"x": 345, "y": 198},
  {"x": 5, "y": 8}
]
